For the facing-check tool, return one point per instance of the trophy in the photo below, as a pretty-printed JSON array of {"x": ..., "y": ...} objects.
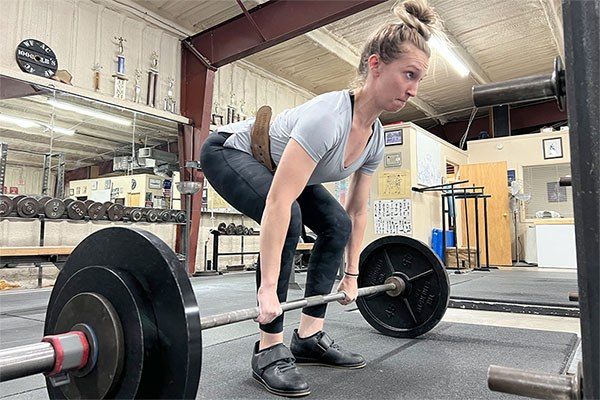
[
  {"x": 120, "y": 78},
  {"x": 169, "y": 101},
  {"x": 231, "y": 109},
  {"x": 217, "y": 119},
  {"x": 137, "y": 88},
  {"x": 96, "y": 68},
  {"x": 152, "y": 81}
]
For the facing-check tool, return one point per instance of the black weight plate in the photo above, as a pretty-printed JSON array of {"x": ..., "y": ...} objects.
[
  {"x": 98, "y": 314},
  {"x": 121, "y": 290},
  {"x": 68, "y": 201},
  {"x": 246, "y": 231},
  {"x": 424, "y": 301},
  {"x": 230, "y": 230},
  {"x": 135, "y": 215},
  {"x": 180, "y": 217},
  {"x": 222, "y": 227},
  {"x": 28, "y": 207},
  {"x": 158, "y": 285},
  {"x": 42, "y": 199},
  {"x": 6, "y": 205},
  {"x": 152, "y": 215},
  {"x": 89, "y": 202},
  {"x": 54, "y": 208},
  {"x": 76, "y": 209},
  {"x": 165, "y": 216},
  {"x": 239, "y": 230},
  {"x": 96, "y": 211},
  {"x": 16, "y": 199},
  {"x": 36, "y": 58},
  {"x": 115, "y": 212}
]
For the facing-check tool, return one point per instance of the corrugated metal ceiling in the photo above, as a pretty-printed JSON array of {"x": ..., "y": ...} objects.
[{"x": 504, "y": 39}]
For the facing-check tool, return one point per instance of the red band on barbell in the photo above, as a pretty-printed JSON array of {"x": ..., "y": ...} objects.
[{"x": 59, "y": 353}]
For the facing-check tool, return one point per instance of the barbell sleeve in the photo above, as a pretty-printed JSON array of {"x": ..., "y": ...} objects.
[
  {"x": 213, "y": 321},
  {"x": 534, "y": 384},
  {"x": 70, "y": 350}
]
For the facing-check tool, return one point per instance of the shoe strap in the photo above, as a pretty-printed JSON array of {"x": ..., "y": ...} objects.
[
  {"x": 324, "y": 342},
  {"x": 272, "y": 355}
]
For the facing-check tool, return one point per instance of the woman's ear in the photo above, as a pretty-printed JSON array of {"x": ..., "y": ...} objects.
[{"x": 374, "y": 62}]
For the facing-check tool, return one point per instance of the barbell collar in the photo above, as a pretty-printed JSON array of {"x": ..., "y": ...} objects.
[
  {"x": 55, "y": 354},
  {"x": 213, "y": 321},
  {"x": 534, "y": 384}
]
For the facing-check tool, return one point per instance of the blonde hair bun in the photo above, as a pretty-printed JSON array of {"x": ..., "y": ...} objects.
[{"x": 418, "y": 15}]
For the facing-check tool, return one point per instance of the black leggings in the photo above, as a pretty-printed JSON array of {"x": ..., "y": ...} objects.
[{"x": 244, "y": 183}]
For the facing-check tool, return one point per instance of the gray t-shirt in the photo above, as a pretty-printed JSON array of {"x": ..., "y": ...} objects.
[{"x": 321, "y": 126}]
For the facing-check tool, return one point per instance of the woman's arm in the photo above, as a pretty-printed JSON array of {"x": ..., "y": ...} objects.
[{"x": 356, "y": 207}]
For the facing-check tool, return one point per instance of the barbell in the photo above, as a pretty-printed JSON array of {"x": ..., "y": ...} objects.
[{"x": 125, "y": 323}]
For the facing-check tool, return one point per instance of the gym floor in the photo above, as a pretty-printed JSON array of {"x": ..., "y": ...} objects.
[{"x": 449, "y": 362}]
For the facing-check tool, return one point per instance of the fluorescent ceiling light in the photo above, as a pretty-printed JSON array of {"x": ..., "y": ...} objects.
[
  {"x": 443, "y": 49},
  {"x": 89, "y": 112},
  {"x": 58, "y": 129},
  {"x": 28, "y": 123},
  {"x": 23, "y": 123}
]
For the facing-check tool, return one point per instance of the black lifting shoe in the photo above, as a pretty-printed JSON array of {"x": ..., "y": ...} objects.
[
  {"x": 320, "y": 349},
  {"x": 274, "y": 367}
]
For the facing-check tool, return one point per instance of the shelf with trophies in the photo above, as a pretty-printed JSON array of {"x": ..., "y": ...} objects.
[
  {"x": 42, "y": 113},
  {"x": 127, "y": 89}
]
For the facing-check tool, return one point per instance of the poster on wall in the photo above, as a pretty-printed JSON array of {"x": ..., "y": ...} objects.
[
  {"x": 394, "y": 185},
  {"x": 429, "y": 161},
  {"x": 393, "y": 217}
]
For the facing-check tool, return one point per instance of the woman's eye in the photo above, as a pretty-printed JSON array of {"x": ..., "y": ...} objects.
[{"x": 410, "y": 75}]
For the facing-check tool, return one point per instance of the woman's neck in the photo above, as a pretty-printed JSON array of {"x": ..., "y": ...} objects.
[{"x": 366, "y": 110}]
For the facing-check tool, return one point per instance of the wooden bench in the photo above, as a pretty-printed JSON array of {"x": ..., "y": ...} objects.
[
  {"x": 34, "y": 254},
  {"x": 304, "y": 247}
]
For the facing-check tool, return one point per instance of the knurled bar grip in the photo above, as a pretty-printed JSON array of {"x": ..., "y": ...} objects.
[{"x": 212, "y": 321}]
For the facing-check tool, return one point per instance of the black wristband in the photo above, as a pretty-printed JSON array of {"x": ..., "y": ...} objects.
[{"x": 349, "y": 274}]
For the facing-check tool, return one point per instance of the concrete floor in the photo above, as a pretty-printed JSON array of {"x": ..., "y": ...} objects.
[{"x": 448, "y": 362}]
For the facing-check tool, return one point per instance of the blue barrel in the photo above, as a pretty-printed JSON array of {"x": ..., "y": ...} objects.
[{"x": 437, "y": 244}]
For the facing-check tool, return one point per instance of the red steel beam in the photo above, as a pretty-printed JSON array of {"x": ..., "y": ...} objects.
[
  {"x": 277, "y": 20},
  {"x": 196, "y": 101}
]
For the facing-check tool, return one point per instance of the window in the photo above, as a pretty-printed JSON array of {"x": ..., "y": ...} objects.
[{"x": 541, "y": 181}]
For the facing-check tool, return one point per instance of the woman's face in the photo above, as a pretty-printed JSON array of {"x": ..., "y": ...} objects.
[{"x": 398, "y": 81}]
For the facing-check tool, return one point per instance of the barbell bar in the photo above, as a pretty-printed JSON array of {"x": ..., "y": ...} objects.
[
  {"x": 21, "y": 361},
  {"x": 141, "y": 321}
]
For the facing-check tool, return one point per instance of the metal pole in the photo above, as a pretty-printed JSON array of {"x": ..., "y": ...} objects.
[
  {"x": 582, "y": 52},
  {"x": 188, "y": 212},
  {"x": 213, "y": 321},
  {"x": 485, "y": 227},
  {"x": 26, "y": 360},
  {"x": 477, "y": 255}
]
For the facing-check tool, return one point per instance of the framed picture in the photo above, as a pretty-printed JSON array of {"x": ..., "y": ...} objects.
[
  {"x": 553, "y": 148},
  {"x": 393, "y": 138}
]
